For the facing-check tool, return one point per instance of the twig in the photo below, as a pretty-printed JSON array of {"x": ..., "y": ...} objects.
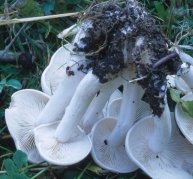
[
  {"x": 188, "y": 47},
  {"x": 9, "y": 56},
  {"x": 3, "y": 172},
  {"x": 138, "y": 79},
  {"x": 39, "y": 173},
  {"x": 5, "y": 137},
  {"x": 53, "y": 167},
  {"x": 5, "y": 155},
  {"x": 13, "y": 40},
  {"x": 17, "y": 4},
  {"x": 6, "y": 11},
  {"x": 39, "y": 18},
  {"x": 164, "y": 60},
  {"x": 82, "y": 173}
]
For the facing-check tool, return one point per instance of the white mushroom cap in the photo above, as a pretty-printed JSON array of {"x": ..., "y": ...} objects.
[
  {"x": 115, "y": 106},
  {"x": 59, "y": 153},
  {"x": 116, "y": 95},
  {"x": 174, "y": 162},
  {"x": 55, "y": 71},
  {"x": 24, "y": 109},
  {"x": 111, "y": 158},
  {"x": 185, "y": 122}
]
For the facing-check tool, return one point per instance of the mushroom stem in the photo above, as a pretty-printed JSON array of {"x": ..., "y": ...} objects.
[
  {"x": 131, "y": 96},
  {"x": 83, "y": 96},
  {"x": 187, "y": 77},
  {"x": 55, "y": 108},
  {"x": 162, "y": 131},
  {"x": 98, "y": 103}
]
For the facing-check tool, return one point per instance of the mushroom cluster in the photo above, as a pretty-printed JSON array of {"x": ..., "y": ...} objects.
[{"x": 117, "y": 46}]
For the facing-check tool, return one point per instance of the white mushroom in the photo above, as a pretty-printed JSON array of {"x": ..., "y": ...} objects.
[
  {"x": 108, "y": 134},
  {"x": 24, "y": 109},
  {"x": 173, "y": 161},
  {"x": 184, "y": 121}
]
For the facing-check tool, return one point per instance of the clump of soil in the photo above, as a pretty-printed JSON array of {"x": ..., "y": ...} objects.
[{"x": 119, "y": 35}]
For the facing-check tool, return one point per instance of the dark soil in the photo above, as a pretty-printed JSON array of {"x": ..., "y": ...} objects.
[{"x": 121, "y": 35}]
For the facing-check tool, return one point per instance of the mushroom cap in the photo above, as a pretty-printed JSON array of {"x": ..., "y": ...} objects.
[
  {"x": 181, "y": 85},
  {"x": 55, "y": 71},
  {"x": 109, "y": 157},
  {"x": 24, "y": 109},
  {"x": 115, "y": 95},
  {"x": 185, "y": 122},
  {"x": 59, "y": 153},
  {"x": 175, "y": 161},
  {"x": 115, "y": 106}
]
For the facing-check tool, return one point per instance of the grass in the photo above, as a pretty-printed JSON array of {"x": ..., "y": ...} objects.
[{"x": 39, "y": 40}]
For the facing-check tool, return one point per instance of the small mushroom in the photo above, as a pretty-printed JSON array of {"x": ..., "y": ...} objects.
[
  {"x": 108, "y": 134},
  {"x": 24, "y": 109},
  {"x": 185, "y": 122},
  {"x": 173, "y": 161}
]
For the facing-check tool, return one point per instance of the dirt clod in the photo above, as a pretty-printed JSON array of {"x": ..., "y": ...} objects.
[{"x": 118, "y": 35}]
